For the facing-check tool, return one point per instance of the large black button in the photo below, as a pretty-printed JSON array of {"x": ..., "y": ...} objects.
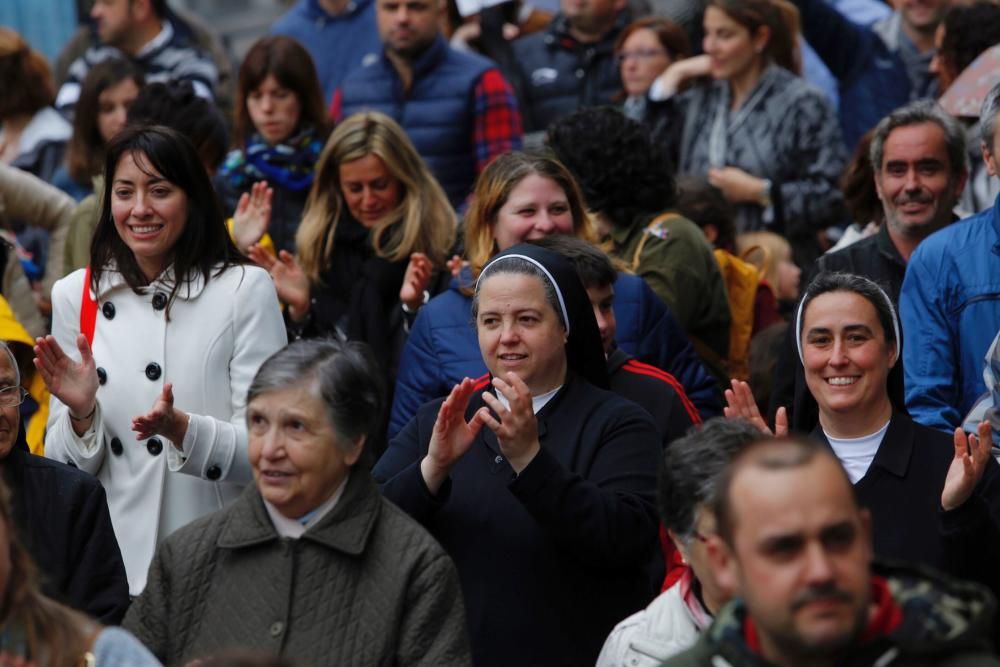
[
  {"x": 213, "y": 473},
  {"x": 109, "y": 310},
  {"x": 102, "y": 376},
  {"x": 153, "y": 371},
  {"x": 70, "y": 463},
  {"x": 116, "y": 447},
  {"x": 159, "y": 301},
  {"x": 154, "y": 446}
]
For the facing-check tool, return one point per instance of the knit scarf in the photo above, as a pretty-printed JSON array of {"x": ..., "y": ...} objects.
[{"x": 289, "y": 165}]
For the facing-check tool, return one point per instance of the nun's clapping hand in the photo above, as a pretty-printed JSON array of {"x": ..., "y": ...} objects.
[
  {"x": 452, "y": 435},
  {"x": 517, "y": 427},
  {"x": 740, "y": 404}
]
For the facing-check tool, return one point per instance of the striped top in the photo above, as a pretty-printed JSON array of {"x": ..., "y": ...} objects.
[{"x": 166, "y": 57}]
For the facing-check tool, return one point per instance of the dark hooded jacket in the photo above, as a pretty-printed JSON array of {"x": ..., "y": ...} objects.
[{"x": 936, "y": 621}]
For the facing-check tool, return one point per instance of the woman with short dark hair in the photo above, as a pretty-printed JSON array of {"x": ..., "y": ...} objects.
[
  {"x": 157, "y": 341},
  {"x": 311, "y": 563}
]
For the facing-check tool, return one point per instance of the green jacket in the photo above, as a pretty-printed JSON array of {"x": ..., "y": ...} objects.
[
  {"x": 675, "y": 259},
  {"x": 946, "y": 623}
]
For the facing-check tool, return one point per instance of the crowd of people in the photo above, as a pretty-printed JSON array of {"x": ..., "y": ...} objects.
[{"x": 458, "y": 333}]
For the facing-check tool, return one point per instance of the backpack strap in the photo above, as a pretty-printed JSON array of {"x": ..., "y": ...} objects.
[
  {"x": 652, "y": 229},
  {"x": 88, "y": 310}
]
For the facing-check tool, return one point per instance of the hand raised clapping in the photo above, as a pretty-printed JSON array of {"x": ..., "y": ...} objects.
[
  {"x": 74, "y": 383},
  {"x": 740, "y": 404}
]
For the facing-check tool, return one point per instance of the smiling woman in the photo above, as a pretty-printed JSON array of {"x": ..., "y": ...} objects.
[
  {"x": 537, "y": 481},
  {"x": 167, "y": 293}
]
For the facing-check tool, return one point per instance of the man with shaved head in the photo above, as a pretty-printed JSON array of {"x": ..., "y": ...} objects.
[{"x": 794, "y": 546}]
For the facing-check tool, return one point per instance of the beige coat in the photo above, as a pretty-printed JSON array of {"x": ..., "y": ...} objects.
[{"x": 26, "y": 197}]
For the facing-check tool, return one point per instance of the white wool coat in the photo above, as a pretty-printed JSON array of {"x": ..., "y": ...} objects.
[{"x": 217, "y": 337}]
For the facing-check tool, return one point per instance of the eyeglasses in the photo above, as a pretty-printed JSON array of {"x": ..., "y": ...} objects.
[
  {"x": 640, "y": 54},
  {"x": 12, "y": 396}
]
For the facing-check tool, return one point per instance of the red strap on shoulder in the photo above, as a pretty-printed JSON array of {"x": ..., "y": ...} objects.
[{"x": 88, "y": 310}]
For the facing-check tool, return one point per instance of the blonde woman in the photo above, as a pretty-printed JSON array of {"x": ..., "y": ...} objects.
[{"x": 373, "y": 207}]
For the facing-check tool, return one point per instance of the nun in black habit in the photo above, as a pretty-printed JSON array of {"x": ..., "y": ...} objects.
[{"x": 538, "y": 482}]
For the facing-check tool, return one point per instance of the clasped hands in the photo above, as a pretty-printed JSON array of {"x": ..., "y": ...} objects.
[
  {"x": 516, "y": 428},
  {"x": 75, "y": 384}
]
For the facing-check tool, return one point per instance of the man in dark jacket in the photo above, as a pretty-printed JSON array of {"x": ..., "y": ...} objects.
[
  {"x": 919, "y": 158},
  {"x": 61, "y": 516},
  {"x": 456, "y": 107},
  {"x": 795, "y": 545},
  {"x": 571, "y": 64}
]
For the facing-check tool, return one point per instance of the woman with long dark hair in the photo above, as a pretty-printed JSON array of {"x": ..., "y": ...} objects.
[{"x": 157, "y": 341}]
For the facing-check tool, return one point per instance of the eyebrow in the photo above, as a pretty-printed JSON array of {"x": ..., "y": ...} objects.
[
  {"x": 153, "y": 180},
  {"x": 849, "y": 328}
]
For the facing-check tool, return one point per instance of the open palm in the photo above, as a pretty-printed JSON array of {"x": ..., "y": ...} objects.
[{"x": 72, "y": 382}]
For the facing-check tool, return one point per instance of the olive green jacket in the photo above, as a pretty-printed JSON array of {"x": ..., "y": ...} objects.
[{"x": 675, "y": 259}]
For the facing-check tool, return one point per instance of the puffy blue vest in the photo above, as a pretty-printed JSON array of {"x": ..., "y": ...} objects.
[{"x": 437, "y": 113}]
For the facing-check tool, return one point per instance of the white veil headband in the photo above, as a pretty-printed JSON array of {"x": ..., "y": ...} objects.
[
  {"x": 535, "y": 262},
  {"x": 885, "y": 297}
]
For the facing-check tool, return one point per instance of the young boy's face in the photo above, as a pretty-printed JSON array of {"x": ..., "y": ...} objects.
[{"x": 602, "y": 299}]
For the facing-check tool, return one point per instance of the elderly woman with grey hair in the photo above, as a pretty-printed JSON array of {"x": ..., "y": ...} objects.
[
  {"x": 310, "y": 563},
  {"x": 689, "y": 472}
]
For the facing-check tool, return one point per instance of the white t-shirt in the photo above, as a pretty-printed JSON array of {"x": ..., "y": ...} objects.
[{"x": 856, "y": 454}]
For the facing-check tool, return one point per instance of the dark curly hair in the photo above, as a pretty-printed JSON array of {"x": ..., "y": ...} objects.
[
  {"x": 613, "y": 158},
  {"x": 968, "y": 31}
]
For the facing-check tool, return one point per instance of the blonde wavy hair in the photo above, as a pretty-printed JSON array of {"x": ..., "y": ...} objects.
[
  {"x": 492, "y": 190},
  {"x": 423, "y": 221}
]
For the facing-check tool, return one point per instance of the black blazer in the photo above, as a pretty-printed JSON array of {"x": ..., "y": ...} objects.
[
  {"x": 902, "y": 489},
  {"x": 62, "y": 519},
  {"x": 551, "y": 559}
]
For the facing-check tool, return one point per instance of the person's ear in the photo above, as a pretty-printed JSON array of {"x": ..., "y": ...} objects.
[
  {"x": 711, "y": 233},
  {"x": 724, "y": 566},
  {"x": 357, "y": 448},
  {"x": 620, "y": 5},
  {"x": 761, "y": 38},
  {"x": 989, "y": 159}
]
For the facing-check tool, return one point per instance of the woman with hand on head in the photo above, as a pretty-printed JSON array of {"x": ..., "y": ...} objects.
[
  {"x": 934, "y": 497},
  {"x": 536, "y": 480},
  {"x": 761, "y": 134},
  {"x": 156, "y": 342},
  {"x": 524, "y": 197},
  {"x": 376, "y": 230},
  {"x": 279, "y": 132}
]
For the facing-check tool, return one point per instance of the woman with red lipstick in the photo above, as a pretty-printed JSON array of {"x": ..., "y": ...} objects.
[
  {"x": 280, "y": 128},
  {"x": 154, "y": 345},
  {"x": 536, "y": 480},
  {"x": 757, "y": 131}
]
